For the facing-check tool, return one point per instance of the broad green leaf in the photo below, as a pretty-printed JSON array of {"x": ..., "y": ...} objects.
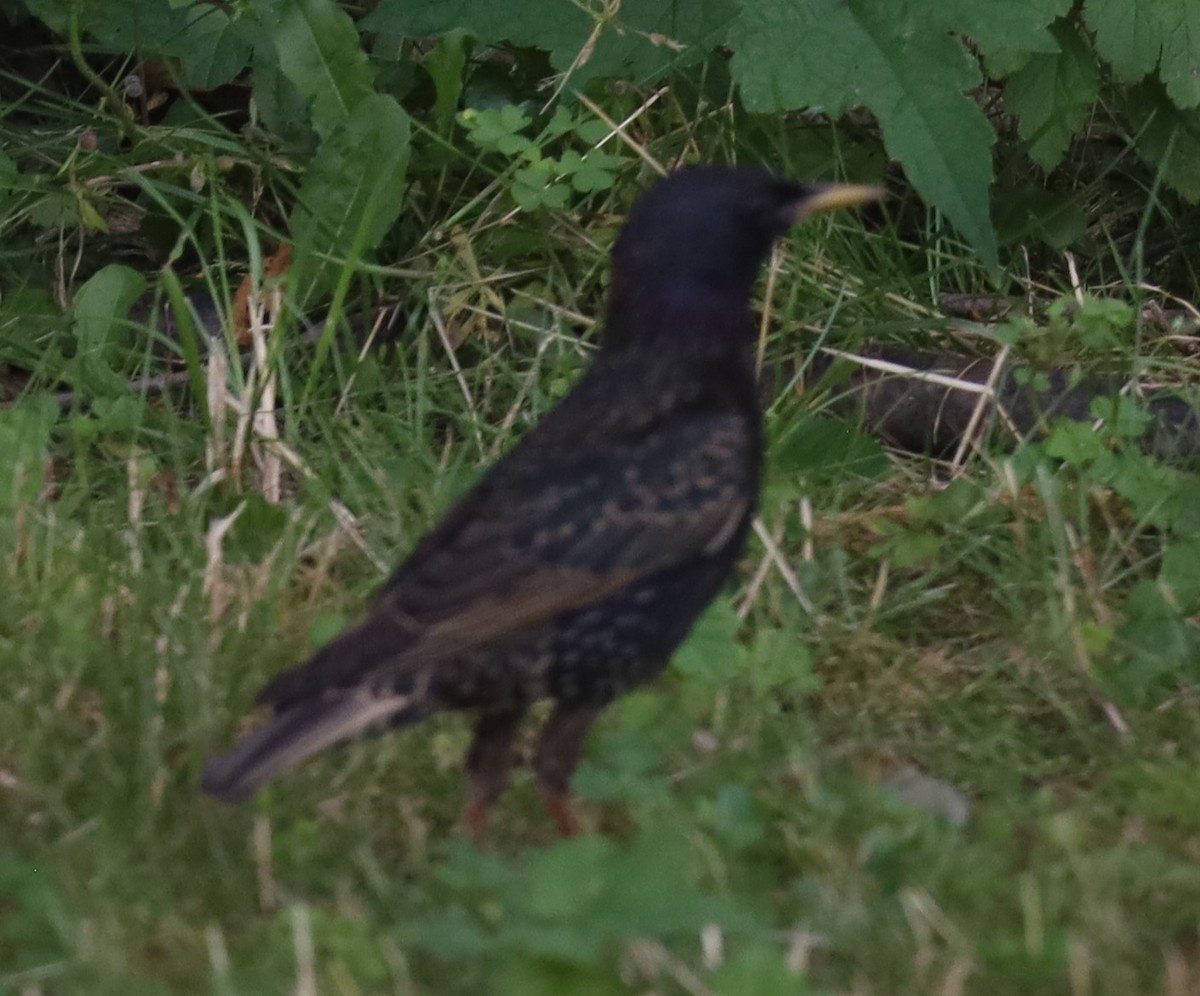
[
  {"x": 11, "y": 191},
  {"x": 1135, "y": 36},
  {"x": 777, "y": 659},
  {"x": 1020, "y": 25},
  {"x": 759, "y": 970},
  {"x": 709, "y": 652},
  {"x": 1166, "y": 136},
  {"x": 1180, "y": 66},
  {"x": 55, "y": 209},
  {"x": 1150, "y": 488},
  {"x": 1168, "y": 642},
  {"x": 1031, "y": 211},
  {"x": 218, "y": 46},
  {"x": 451, "y": 935},
  {"x": 354, "y": 187},
  {"x": 36, "y": 928},
  {"x": 910, "y": 548},
  {"x": 523, "y": 975},
  {"x": 649, "y": 890},
  {"x": 100, "y": 311},
  {"x": 534, "y": 186},
  {"x": 816, "y": 449},
  {"x": 1181, "y": 574},
  {"x": 1128, "y": 35},
  {"x": 498, "y": 128},
  {"x": 320, "y": 52},
  {"x": 1053, "y": 95},
  {"x": 280, "y": 103},
  {"x": 593, "y": 171},
  {"x": 148, "y": 26},
  {"x": 564, "y": 880},
  {"x": 735, "y": 817},
  {"x": 895, "y": 57},
  {"x": 1075, "y": 442},
  {"x": 24, "y": 447},
  {"x": 445, "y": 67},
  {"x": 637, "y": 41},
  {"x": 1123, "y": 416}
]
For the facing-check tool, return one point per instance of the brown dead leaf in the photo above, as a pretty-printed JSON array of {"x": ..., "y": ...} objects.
[{"x": 274, "y": 267}]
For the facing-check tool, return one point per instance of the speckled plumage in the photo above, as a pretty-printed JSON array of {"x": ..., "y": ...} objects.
[{"x": 579, "y": 562}]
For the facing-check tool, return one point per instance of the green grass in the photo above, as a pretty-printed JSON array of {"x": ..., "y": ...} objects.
[{"x": 965, "y": 623}]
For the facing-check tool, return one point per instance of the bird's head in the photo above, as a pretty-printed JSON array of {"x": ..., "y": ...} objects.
[{"x": 711, "y": 228}]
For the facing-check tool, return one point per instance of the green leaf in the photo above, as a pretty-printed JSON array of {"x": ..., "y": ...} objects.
[
  {"x": 118, "y": 415},
  {"x": 709, "y": 651},
  {"x": 528, "y": 976},
  {"x": 1169, "y": 643},
  {"x": 777, "y": 659},
  {"x": 735, "y": 817},
  {"x": 1128, "y": 35},
  {"x": 1135, "y": 36},
  {"x": 1179, "y": 68},
  {"x": 592, "y": 130},
  {"x": 280, "y": 104},
  {"x": 37, "y": 926},
  {"x": 100, "y": 310},
  {"x": 24, "y": 447},
  {"x": 9, "y": 182},
  {"x": 567, "y": 878},
  {"x": 147, "y": 26},
  {"x": 319, "y": 52},
  {"x": 1099, "y": 322},
  {"x": 1166, "y": 137},
  {"x": 637, "y": 41},
  {"x": 354, "y": 187},
  {"x": 1075, "y": 442},
  {"x": 1186, "y": 517},
  {"x": 1053, "y": 95},
  {"x": 817, "y": 449},
  {"x": 218, "y": 46},
  {"x": 534, "y": 187},
  {"x": 498, "y": 129},
  {"x": 348, "y": 940},
  {"x": 1181, "y": 574},
  {"x": 1027, "y": 211},
  {"x": 997, "y": 26},
  {"x": 451, "y": 935},
  {"x": 445, "y": 67},
  {"x": 757, "y": 971},
  {"x": 324, "y": 626},
  {"x": 908, "y": 549},
  {"x": 55, "y": 209},
  {"x": 1123, "y": 416},
  {"x": 593, "y": 171},
  {"x": 256, "y": 530},
  {"x": 1150, "y": 488},
  {"x": 649, "y": 891},
  {"x": 898, "y": 58}
]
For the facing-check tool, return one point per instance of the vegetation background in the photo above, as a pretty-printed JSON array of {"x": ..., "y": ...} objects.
[{"x": 279, "y": 277}]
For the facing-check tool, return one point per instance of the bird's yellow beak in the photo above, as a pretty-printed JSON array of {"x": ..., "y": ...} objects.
[{"x": 832, "y": 196}]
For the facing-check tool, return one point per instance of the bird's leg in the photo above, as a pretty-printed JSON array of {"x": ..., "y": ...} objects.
[
  {"x": 559, "y": 748},
  {"x": 488, "y": 764}
]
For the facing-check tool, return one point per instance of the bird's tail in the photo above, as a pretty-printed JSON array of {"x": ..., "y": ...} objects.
[{"x": 301, "y": 730}]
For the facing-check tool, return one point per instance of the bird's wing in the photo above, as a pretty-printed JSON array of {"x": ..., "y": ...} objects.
[
  {"x": 517, "y": 554},
  {"x": 531, "y": 543}
]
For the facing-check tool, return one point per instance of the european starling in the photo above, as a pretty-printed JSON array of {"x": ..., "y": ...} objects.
[{"x": 579, "y": 562}]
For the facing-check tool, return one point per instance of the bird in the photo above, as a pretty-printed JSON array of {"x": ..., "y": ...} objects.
[{"x": 577, "y": 564}]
